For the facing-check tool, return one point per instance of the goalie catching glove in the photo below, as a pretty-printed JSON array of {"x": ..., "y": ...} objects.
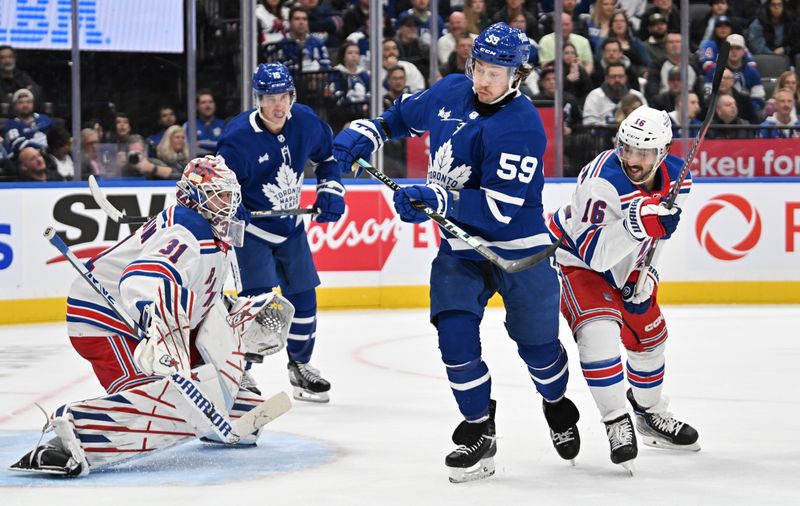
[
  {"x": 262, "y": 322},
  {"x": 165, "y": 347}
]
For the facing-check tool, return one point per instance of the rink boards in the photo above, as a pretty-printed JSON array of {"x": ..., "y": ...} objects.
[{"x": 738, "y": 242}]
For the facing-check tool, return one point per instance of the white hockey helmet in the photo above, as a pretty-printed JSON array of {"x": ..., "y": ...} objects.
[{"x": 644, "y": 135}]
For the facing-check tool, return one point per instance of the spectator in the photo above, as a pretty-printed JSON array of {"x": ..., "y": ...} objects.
[
  {"x": 31, "y": 165},
  {"x": 784, "y": 106},
  {"x": 581, "y": 44},
  {"x": 138, "y": 164},
  {"x": 457, "y": 61},
  {"x": 657, "y": 77},
  {"x": 747, "y": 80},
  {"x": 209, "y": 127},
  {"x": 632, "y": 47},
  {"x": 727, "y": 114},
  {"x": 514, "y": 7},
  {"x": 59, "y": 149},
  {"x": 26, "y": 125},
  {"x": 656, "y": 44},
  {"x": 299, "y": 50},
  {"x": 122, "y": 129},
  {"x": 547, "y": 91},
  {"x": 788, "y": 80},
  {"x": 601, "y": 105},
  {"x": 324, "y": 21},
  {"x": 702, "y": 29},
  {"x": 666, "y": 9},
  {"x": 166, "y": 118},
  {"x": 273, "y": 21},
  {"x": 411, "y": 48},
  {"x": 457, "y": 28},
  {"x": 579, "y": 21},
  {"x": 665, "y": 100},
  {"x": 396, "y": 82},
  {"x": 520, "y": 22},
  {"x": 627, "y": 105},
  {"x": 173, "y": 150},
  {"x": 8, "y": 169},
  {"x": 96, "y": 125},
  {"x": 391, "y": 57},
  {"x": 576, "y": 81},
  {"x": 91, "y": 164},
  {"x": 348, "y": 88},
  {"x": 612, "y": 53},
  {"x": 744, "y": 105},
  {"x": 12, "y": 78},
  {"x": 599, "y": 24},
  {"x": 475, "y": 12},
  {"x": 420, "y": 10},
  {"x": 356, "y": 18},
  {"x": 707, "y": 52},
  {"x": 692, "y": 111},
  {"x": 635, "y": 10},
  {"x": 774, "y": 31}
]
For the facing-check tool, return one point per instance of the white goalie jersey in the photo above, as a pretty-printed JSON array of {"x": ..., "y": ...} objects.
[
  {"x": 175, "y": 246},
  {"x": 591, "y": 224}
]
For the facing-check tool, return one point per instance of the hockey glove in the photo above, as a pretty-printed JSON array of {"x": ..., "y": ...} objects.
[
  {"x": 262, "y": 321},
  {"x": 433, "y": 196},
  {"x": 639, "y": 303},
  {"x": 362, "y": 138},
  {"x": 166, "y": 347},
  {"x": 330, "y": 201},
  {"x": 648, "y": 217}
]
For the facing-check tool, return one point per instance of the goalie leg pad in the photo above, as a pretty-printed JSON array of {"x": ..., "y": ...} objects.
[{"x": 220, "y": 346}]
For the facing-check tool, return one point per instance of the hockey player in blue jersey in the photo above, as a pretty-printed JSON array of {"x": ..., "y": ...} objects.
[
  {"x": 267, "y": 147},
  {"x": 485, "y": 174},
  {"x": 607, "y": 228}
]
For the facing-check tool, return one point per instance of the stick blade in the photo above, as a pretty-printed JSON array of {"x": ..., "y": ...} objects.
[{"x": 263, "y": 414}]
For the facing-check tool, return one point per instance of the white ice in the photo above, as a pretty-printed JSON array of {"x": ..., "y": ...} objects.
[{"x": 731, "y": 372}]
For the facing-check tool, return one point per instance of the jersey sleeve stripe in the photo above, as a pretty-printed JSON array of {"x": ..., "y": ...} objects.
[
  {"x": 495, "y": 210},
  {"x": 599, "y": 162},
  {"x": 502, "y": 197},
  {"x": 151, "y": 268}
]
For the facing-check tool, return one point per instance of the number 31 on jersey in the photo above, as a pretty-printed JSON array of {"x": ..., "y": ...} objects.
[{"x": 517, "y": 167}]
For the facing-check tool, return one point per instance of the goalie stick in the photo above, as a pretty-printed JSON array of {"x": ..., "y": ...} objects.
[
  {"x": 507, "y": 265},
  {"x": 227, "y": 431},
  {"x": 722, "y": 62},
  {"x": 120, "y": 217}
]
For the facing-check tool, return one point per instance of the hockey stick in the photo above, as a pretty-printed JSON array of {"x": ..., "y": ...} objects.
[
  {"x": 722, "y": 62},
  {"x": 120, "y": 217},
  {"x": 228, "y": 431},
  {"x": 507, "y": 265}
]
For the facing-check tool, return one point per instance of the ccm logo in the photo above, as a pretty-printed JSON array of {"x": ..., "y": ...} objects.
[{"x": 654, "y": 324}]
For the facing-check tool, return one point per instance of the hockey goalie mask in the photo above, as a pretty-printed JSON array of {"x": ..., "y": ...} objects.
[
  {"x": 642, "y": 143},
  {"x": 209, "y": 187},
  {"x": 503, "y": 53}
]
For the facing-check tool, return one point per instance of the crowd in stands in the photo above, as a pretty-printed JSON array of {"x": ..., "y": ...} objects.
[{"x": 617, "y": 54}]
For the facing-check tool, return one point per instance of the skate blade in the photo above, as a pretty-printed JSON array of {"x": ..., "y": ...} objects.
[
  {"x": 666, "y": 445},
  {"x": 302, "y": 394},
  {"x": 483, "y": 469},
  {"x": 52, "y": 471},
  {"x": 628, "y": 466}
]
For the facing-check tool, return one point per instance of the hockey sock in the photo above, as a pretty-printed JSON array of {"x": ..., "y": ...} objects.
[
  {"x": 598, "y": 346},
  {"x": 470, "y": 381},
  {"x": 302, "y": 332},
  {"x": 646, "y": 375},
  {"x": 547, "y": 367}
]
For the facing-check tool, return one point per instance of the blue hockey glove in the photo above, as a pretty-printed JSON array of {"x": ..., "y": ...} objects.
[
  {"x": 432, "y": 195},
  {"x": 359, "y": 140},
  {"x": 639, "y": 303},
  {"x": 330, "y": 201},
  {"x": 243, "y": 214}
]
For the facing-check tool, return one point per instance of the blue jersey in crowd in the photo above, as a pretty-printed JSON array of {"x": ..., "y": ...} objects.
[
  {"x": 17, "y": 131},
  {"x": 207, "y": 135},
  {"x": 493, "y": 161},
  {"x": 270, "y": 166}
]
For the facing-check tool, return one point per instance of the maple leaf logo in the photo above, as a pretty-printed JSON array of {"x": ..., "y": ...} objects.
[
  {"x": 285, "y": 193},
  {"x": 441, "y": 171}
]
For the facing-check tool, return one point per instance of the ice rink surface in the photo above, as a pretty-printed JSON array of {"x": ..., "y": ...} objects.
[{"x": 732, "y": 372}]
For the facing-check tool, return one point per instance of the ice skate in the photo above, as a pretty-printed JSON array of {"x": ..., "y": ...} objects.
[
  {"x": 622, "y": 439},
  {"x": 473, "y": 459},
  {"x": 308, "y": 384},
  {"x": 661, "y": 430},
  {"x": 562, "y": 417},
  {"x": 48, "y": 459}
]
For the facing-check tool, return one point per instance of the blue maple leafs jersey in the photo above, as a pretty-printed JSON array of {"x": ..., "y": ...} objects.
[
  {"x": 592, "y": 222},
  {"x": 270, "y": 166},
  {"x": 494, "y": 162}
]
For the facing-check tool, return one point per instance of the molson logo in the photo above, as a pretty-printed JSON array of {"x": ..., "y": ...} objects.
[
  {"x": 750, "y": 233},
  {"x": 361, "y": 240}
]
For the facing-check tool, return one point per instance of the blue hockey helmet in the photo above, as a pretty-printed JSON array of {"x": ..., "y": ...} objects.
[
  {"x": 502, "y": 45},
  {"x": 272, "y": 79}
]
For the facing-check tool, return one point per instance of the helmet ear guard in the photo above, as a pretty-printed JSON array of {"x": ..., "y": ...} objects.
[{"x": 505, "y": 46}]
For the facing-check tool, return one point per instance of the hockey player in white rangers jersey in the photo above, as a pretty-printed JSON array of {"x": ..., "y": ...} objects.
[
  {"x": 486, "y": 143},
  {"x": 168, "y": 277},
  {"x": 613, "y": 218}
]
